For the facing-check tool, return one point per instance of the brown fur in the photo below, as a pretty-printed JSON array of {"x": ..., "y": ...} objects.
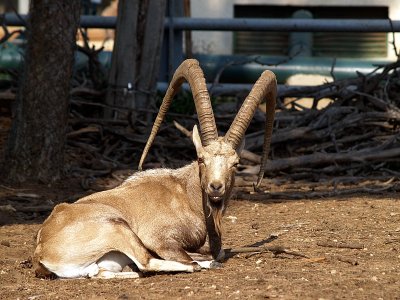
[
  {"x": 157, "y": 212},
  {"x": 162, "y": 213}
]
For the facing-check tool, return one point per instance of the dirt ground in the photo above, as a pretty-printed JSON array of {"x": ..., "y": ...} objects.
[{"x": 304, "y": 226}]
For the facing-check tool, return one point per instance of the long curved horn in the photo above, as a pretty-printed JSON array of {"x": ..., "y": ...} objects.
[
  {"x": 190, "y": 71},
  {"x": 265, "y": 87}
]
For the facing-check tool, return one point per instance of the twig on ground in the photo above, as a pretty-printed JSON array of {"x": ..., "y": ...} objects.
[
  {"x": 351, "y": 261},
  {"x": 276, "y": 250},
  {"x": 333, "y": 244}
]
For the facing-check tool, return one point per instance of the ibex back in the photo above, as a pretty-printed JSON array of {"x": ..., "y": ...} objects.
[{"x": 156, "y": 218}]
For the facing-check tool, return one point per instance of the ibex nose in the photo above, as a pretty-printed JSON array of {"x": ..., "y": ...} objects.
[{"x": 216, "y": 186}]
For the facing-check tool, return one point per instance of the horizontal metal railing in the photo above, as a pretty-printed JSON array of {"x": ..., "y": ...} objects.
[
  {"x": 250, "y": 24},
  {"x": 179, "y": 24}
]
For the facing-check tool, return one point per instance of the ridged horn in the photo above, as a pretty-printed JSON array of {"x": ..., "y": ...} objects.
[
  {"x": 190, "y": 71},
  {"x": 264, "y": 88}
]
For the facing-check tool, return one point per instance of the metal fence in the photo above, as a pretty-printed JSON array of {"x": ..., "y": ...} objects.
[
  {"x": 292, "y": 25},
  {"x": 175, "y": 26}
]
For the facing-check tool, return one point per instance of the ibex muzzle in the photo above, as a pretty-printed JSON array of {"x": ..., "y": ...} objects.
[
  {"x": 154, "y": 218},
  {"x": 217, "y": 166}
]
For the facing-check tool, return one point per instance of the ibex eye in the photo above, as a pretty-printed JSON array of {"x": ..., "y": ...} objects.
[{"x": 200, "y": 160}]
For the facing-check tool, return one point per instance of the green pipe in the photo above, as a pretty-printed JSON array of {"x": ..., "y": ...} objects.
[
  {"x": 233, "y": 68},
  {"x": 12, "y": 56},
  {"x": 247, "y": 69}
]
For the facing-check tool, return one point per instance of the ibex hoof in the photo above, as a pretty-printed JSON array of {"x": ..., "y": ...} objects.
[
  {"x": 196, "y": 267},
  {"x": 216, "y": 265}
]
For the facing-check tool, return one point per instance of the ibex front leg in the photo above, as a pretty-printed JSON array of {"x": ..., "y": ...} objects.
[
  {"x": 140, "y": 256},
  {"x": 173, "y": 251}
]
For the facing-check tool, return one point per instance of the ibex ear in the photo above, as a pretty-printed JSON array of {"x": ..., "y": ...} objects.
[{"x": 196, "y": 139}]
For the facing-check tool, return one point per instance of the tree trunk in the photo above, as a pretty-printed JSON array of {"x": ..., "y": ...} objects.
[
  {"x": 123, "y": 63},
  {"x": 149, "y": 62},
  {"x": 136, "y": 54},
  {"x": 35, "y": 150}
]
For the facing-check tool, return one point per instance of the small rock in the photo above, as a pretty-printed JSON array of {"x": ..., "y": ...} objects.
[
  {"x": 27, "y": 263},
  {"x": 232, "y": 218},
  {"x": 255, "y": 207},
  {"x": 5, "y": 243}
]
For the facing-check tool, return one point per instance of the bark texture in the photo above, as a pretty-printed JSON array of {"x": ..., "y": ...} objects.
[
  {"x": 35, "y": 150},
  {"x": 136, "y": 56}
]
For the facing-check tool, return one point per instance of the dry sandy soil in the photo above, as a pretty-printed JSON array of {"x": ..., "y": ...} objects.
[{"x": 305, "y": 226}]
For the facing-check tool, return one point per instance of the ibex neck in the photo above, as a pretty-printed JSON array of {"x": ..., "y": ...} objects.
[{"x": 190, "y": 175}]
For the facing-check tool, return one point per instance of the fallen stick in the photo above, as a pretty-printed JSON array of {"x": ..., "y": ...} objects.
[
  {"x": 332, "y": 244},
  {"x": 277, "y": 165},
  {"x": 310, "y": 194},
  {"x": 182, "y": 129},
  {"x": 320, "y": 129},
  {"x": 350, "y": 261},
  {"x": 326, "y": 183},
  {"x": 250, "y": 156},
  {"x": 276, "y": 250}
]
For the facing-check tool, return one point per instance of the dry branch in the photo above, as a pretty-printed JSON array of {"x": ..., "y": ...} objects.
[
  {"x": 320, "y": 189},
  {"x": 356, "y": 136},
  {"x": 348, "y": 245},
  {"x": 348, "y": 260},
  {"x": 276, "y": 250},
  {"x": 316, "y": 159}
]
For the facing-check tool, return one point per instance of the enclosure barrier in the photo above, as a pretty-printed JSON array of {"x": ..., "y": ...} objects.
[
  {"x": 211, "y": 63},
  {"x": 293, "y": 25}
]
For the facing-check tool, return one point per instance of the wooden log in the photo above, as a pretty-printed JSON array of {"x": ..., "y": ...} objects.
[{"x": 315, "y": 159}]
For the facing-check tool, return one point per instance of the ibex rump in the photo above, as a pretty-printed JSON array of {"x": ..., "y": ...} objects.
[{"x": 154, "y": 218}]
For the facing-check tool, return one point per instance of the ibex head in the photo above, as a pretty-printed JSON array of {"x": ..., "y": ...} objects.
[
  {"x": 217, "y": 165},
  {"x": 218, "y": 156}
]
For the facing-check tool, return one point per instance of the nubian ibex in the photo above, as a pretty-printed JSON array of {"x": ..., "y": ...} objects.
[{"x": 156, "y": 218}]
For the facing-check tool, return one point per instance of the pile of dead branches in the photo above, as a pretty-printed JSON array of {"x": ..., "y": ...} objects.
[{"x": 356, "y": 135}]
